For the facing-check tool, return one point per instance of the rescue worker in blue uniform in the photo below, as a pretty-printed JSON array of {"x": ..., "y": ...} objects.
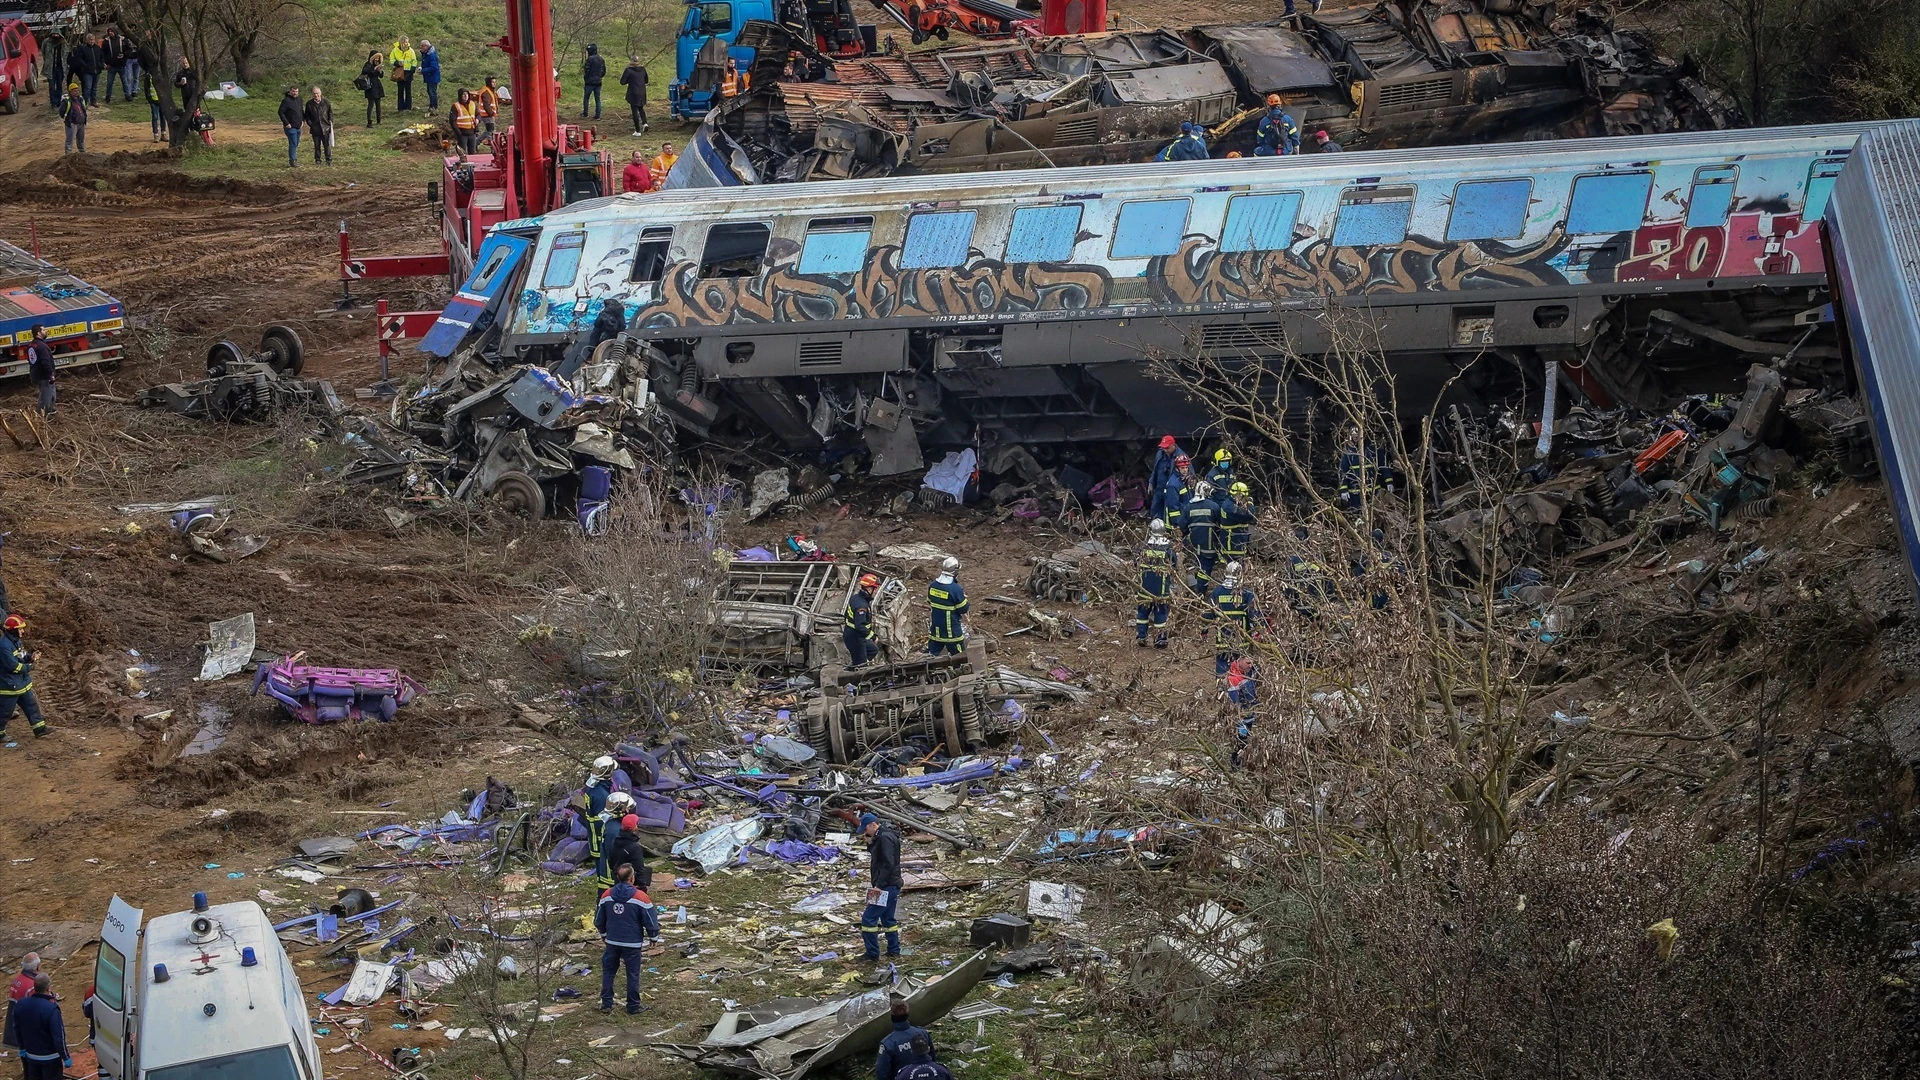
[
  {"x": 1153, "y": 598},
  {"x": 1161, "y": 472},
  {"x": 947, "y": 632},
  {"x": 1177, "y": 490},
  {"x": 625, "y": 919},
  {"x": 1276, "y": 135},
  {"x": 1235, "y": 522},
  {"x": 883, "y": 894},
  {"x": 1243, "y": 691},
  {"x": 597, "y": 788},
  {"x": 1190, "y": 146},
  {"x": 1307, "y": 582},
  {"x": 1231, "y": 611},
  {"x": 857, "y": 630},
  {"x": 1362, "y": 470},
  {"x": 16, "y": 678},
  {"x": 1199, "y": 516},
  {"x": 1221, "y": 475},
  {"x": 898, "y": 1050}
]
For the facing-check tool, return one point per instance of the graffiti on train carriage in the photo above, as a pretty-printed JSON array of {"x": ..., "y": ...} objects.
[{"x": 1201, "y": 274}]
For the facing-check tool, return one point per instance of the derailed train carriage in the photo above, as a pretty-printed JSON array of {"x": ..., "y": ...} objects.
[{"x": 1022, "y": 305}]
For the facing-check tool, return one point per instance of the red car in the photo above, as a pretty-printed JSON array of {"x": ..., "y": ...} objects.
[{"x": 19, "y": 64}]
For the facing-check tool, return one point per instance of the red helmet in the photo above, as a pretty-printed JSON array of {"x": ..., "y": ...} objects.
[
  {"x": 1167, "y": 442},
  {"x": 1182, "y": 459},
  {"x": 869, "y": 581},
  {"x": 15, "y": 622}
]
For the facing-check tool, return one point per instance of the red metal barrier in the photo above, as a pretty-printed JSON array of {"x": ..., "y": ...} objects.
[{"x": 398, "y": 326}]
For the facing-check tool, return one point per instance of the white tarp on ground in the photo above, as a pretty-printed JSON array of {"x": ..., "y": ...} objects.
[
  {"x": 230, "y": 646},
  {"x": 714, "y": 848},
  {"x": 951, "y": 473}
]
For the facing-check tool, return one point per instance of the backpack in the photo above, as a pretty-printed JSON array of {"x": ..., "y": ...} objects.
[{"x": 362, "y": 83}]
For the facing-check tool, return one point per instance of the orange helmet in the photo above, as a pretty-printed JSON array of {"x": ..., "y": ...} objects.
[
  {"x": 15, "y": 622},
  {"x": 1233, "y": 153},
  {"x": 868, "y": 581}
]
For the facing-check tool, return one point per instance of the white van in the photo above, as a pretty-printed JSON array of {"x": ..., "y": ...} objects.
[{"x": 213, "y": 998}]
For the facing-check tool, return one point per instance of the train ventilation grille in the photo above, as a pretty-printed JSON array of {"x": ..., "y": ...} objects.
[
  {"x": 821, "y": 354},
  {"x": 1076, "y": 130},
  {"x": 1264, "y": 336},
  {"x": 1422, "y": 94}
]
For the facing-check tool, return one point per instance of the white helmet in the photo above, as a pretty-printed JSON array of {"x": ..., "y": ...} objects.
[
  {"x": 1156, "y": 526},
  {"x": 1233, "y": 568},
  {"x": 1202, "y": 489},
  {"x": 620, "y": 803},
  {"x": 1231, "y": 578},
  {"x": 602, "y": 766},
  {"x": 949, "y": 564}
]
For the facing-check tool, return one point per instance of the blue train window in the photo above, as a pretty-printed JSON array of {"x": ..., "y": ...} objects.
[
  {"x": 1820, "y": 180},
  {"x": 1609, "y": 203},
  {"x": 1371, "y": 217},
  {"x": 1489, "y": 210},
  {"x": 836, "y": 245},
  {"x": 1711, "y": 197},
  {"x": 937, "y": 239},
  {"x": 563, "y": 261},
  {"x": 1148, "y": 228},
  {"x": 1260, "y": 222},
  {"x": 1043, "y": 233}
]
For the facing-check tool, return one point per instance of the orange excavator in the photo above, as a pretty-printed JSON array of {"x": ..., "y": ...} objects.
[{"x": 925, "y": 19}]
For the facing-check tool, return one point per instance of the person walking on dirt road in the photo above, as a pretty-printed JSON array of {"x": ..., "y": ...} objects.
[
  {"x": 16, "y": 680},
  {"x": 593, "y": 72},
  {"x": 319, "y": 117},
  {"x": 635, "y": 80},
  {"x": 405, "y": 63},
  {"x": 291, "y": 117},
  {"x": 43, "y": 1037},
  {"x": 373, "y": 84},
  {"x": 40, "y": 365},
  {"x": 73, "y": 116}
]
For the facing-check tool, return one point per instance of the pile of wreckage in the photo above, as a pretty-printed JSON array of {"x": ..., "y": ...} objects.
[
  {"x": 531, "y": 438},
  {"x": 1617, "y": 474},
  {"x": 1396, "y": 74}
]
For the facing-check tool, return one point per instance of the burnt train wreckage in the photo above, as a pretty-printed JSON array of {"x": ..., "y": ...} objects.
[
  {"x": 1018, "y": 307},
  {"x": 1400, "y": 73}
]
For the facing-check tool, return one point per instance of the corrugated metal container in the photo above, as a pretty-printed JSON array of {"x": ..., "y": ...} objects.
[{"x": 1873, "y": 228}]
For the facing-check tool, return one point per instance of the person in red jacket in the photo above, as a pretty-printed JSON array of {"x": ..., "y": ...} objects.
[
  {"x": 18, "y": 987},
  {"x": 636, "y": 177}
]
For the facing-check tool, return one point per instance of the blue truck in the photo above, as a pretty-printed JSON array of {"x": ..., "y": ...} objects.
[
  {"x": 83, "y": 323},
  {"x": 711, "y": 34}
]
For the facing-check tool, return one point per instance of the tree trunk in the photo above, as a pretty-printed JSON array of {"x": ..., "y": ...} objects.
[{"x": 242, "y": 48}]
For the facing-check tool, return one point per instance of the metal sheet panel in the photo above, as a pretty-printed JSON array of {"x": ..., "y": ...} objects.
[{"x": 1873, "y": 225}]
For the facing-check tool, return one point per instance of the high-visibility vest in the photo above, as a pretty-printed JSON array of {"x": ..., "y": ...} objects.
[
  {"x": 733, "y": 82},
  {"x": 489, "y": 101},
  {"x": 466, "y": 117}
]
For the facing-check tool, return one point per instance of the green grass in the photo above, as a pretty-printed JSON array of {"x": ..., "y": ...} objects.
[{"x": 327, "y": 44}]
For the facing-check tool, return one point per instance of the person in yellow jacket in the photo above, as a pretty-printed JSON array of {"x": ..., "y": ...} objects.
[
  {"x": 662, "y": 164},
  {"x": 406, "y": 63}
]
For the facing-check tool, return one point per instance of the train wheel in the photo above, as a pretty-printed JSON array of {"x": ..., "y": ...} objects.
[
  {"x": 286, "y": 355},
  {"x": 520, "y": 493}
]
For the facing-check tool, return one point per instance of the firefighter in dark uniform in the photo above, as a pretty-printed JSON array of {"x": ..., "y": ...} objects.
[
  {"x": 16, "y": 678},
  {"x": 1230, "y": 609},
  {"x": 1307, "y": 582},
  {"x": 857, "y": 632},
  {"x": 1243, "y": 691},
  {"x": 1362, "y": 471},
  {"x": 1221, "y": 475},
  {"x": 1156, "y": 586},
  {"x": 1200, "y": 516},
  {"x": 1162, "y": 471},
  {"x": 1177, "y": 490},
  {"x": 597, "y": 788},
  {"x": 1235, "y": 522},
  {"x": 947, "y": 631}
]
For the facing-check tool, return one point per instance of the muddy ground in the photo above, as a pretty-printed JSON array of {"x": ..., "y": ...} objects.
[{"x": 154, "y": 785}]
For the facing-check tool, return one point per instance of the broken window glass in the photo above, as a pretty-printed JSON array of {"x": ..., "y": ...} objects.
[
  {"x": 1043, "y": 233},
  {"x": 1260, "y": 222},
  {"x": 937, "y": 239},
  {"x": 1489, "y": 210},
  {"x": 650, "y": 254},
  {"x": 563, "y": 261},
  {"x": 1711, "y": 197},
  {"x": 734, "y": 249},
  {"x": 1148, "y": 228},
  {"x": 836, "y": 245},
  {"x": 1820, "y": 185},
  {"x": 1371, "y": 217},
  {"x": 1608, "y": 203}
]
